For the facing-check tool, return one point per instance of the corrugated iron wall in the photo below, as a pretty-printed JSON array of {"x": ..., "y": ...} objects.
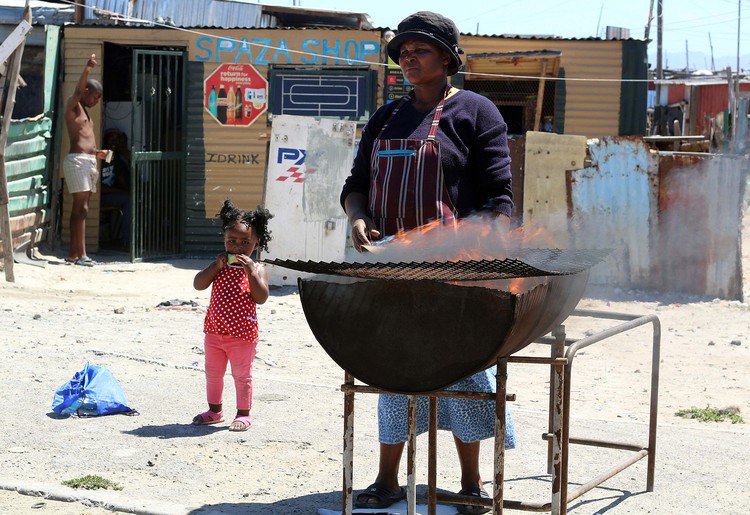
[
  {"x": 700, "y": 224},
  {"x": 673, "y": 222},
  {"x": 614, "y": 205},
  {"x": 27, "y": 155},
  {"x": 210, "y": 182},
  {"x": 593, "y": 108}
]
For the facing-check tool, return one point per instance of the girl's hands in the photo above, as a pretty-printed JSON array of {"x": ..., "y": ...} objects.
[{"x": 247, "y": 263}]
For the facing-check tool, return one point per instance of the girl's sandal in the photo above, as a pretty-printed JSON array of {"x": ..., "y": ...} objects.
[
  {"x": 208, "y": 417},
  {"x": 241, "y": 423}
]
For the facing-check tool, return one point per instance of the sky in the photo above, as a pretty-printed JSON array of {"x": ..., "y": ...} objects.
[{"x": 708, "y": 26}]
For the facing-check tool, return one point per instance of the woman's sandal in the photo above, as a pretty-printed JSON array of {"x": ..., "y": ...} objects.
[
  {"x": 208, "y": 417},
  {"x": 474, "y": 491},
  {"x": 241, "y": 423},
  {"x": 383, "y": 498}
]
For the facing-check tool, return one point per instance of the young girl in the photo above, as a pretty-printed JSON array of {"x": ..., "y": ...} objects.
[{"x": 231, "y": 325}]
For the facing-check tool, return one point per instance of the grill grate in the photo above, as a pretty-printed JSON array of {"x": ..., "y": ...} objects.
[{"x": 526, "y": 263}]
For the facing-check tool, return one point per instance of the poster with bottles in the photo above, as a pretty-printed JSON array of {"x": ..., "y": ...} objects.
[{"x": 235, "y": 94}]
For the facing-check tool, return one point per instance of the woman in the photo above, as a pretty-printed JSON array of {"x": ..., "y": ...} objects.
[{"x": 438, "y": 154}]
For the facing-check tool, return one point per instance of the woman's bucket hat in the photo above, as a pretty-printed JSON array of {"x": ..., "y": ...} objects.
[{"x": 433, "y": 28}]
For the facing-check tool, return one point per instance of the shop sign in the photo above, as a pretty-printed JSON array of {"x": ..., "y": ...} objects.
[{"x": 235, "y": 94}]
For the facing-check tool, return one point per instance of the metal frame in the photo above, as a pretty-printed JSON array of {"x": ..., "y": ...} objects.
[{"x": 558, "y": 437}]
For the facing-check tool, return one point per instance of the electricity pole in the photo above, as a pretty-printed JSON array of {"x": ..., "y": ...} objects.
[
  {"x": 659, "y": 71},
  {"x": 736, "y": 86}
]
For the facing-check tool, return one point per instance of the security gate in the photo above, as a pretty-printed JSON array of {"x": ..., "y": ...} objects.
[{"x": 158, "y": 153}]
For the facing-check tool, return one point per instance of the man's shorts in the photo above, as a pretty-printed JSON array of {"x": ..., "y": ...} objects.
[{"x": 81, "y": 172}]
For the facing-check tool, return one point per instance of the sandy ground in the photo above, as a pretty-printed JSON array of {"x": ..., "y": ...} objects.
[{"x": 54, "y": 319}]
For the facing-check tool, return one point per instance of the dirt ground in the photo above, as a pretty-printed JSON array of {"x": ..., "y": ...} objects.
[{"x": 54, "y": 319}]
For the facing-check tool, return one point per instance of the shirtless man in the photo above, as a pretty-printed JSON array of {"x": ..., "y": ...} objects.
[{"x": 80, "y": 166}]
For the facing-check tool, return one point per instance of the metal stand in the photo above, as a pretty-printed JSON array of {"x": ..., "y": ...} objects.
[{"x": 558, "y": 437}]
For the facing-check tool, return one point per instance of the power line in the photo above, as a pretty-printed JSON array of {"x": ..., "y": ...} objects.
[{"x": 129, "y": 19}]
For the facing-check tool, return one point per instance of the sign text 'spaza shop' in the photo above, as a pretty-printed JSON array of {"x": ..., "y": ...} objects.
[{"x": 265, "y": 51}]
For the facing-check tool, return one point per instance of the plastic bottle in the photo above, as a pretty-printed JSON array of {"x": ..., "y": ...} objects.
[
  {"x": 248, "y": 102},
  {"x": 231, "y": 100},
  {"x": 221, "y": 105},
  {"x": 212, "y": 101},
  {"x": 238, "y": 104}
]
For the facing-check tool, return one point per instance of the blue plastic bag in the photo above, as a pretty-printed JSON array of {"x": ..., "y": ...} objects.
[{"x": 92, "y": 391}]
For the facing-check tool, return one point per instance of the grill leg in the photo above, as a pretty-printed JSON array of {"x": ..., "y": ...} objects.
[
  {"x": 501, "y": 378},
  {"x": 348, "y": 456},
  {"x": 411, "y": 451},
  {"x": 556, "y": 415},
  {"x": 432, "y": 459}
]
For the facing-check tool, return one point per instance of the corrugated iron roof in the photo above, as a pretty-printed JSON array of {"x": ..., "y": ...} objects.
[
  {"x": 547, "y": 37},
  {"x": 180, "y": 13},
  {"x": 42, "y": 13},
  {"x": 226, "y": 14}
]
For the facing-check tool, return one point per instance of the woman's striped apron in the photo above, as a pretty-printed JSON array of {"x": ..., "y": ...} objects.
[{"x": 407, "y": 187}]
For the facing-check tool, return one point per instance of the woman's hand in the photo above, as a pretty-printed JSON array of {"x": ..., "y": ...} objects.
[
  {"x": 363, "y": 228},
  {"x": 363, "y": 232}
]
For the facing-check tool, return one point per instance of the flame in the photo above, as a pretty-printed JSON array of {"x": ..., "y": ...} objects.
[
  {"x": 517, "y": 284},
  {"x": 471, "y": 238}
]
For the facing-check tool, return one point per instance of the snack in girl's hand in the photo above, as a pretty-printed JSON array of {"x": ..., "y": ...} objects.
[{"x": 232, "y": 260}]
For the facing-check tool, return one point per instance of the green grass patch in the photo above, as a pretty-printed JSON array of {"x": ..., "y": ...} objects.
[
  {"x": 92, "y": 483},
  {"x": 709, "y": 414}
]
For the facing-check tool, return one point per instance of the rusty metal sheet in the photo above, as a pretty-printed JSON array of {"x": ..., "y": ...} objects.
[
  {"x": 699, "y": 229},
  {"x": 613, "y": 204}
]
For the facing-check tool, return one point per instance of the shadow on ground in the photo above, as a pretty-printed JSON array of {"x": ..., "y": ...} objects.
[
  {"x": 167, "y": 431},
  {"x": 304, "y": 505},
  {"x": 602, "y": 500}
]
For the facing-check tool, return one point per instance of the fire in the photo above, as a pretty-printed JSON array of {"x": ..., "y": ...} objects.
[
  {"x": 469, "y": 239},
  {"x": 517, "y": 285},
  {"x": 472, "y": 238}
]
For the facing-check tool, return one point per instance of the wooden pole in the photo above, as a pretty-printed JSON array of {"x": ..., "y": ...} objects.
[
  {"x": 540, "y": 95},
  {"x": 6, "y": 233}
]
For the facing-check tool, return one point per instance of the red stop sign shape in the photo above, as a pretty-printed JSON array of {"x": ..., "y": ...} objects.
[{"x": 235, "y": 94}]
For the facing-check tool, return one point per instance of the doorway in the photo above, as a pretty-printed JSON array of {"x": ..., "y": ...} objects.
[{"x": 144, "y": 103}]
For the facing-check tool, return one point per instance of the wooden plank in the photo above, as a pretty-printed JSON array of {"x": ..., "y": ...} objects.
[
  {"x": 23, "y": 223},
  {"x": 25, "y": 167},
  {"x": 540, "y": 96},
  {"x": 547, "y": 157},
  {"x": 6, "y": 233},
  {"x": 29, "y": 147},
  {"x": 29, "y": 128},
  {"x": 33, "y": 200},
  {"x": 14, "y": 40},
  {"x": 26, "y": 184}
]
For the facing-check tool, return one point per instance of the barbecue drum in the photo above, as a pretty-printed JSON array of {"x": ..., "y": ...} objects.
[{"x": 419, "y": 328}]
